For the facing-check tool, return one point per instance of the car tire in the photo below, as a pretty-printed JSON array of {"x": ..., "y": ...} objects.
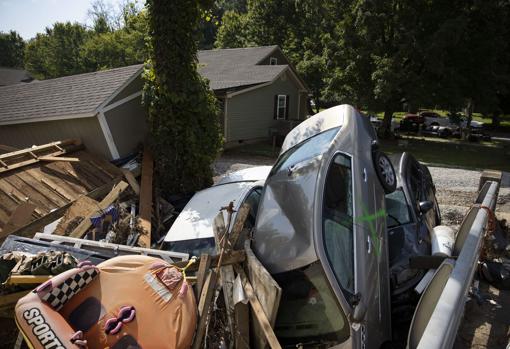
[{"x": 385, "y": 172}]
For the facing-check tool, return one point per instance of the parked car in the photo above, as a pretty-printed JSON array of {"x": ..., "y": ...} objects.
[
  {"x": 192, "y": 231},
  {"x": 433, "y": 119}
]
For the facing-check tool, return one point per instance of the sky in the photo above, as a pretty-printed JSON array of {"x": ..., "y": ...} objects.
[{"x": 29, "y": 17}]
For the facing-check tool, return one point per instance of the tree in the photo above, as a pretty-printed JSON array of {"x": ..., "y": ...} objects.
[
  {"x": 56, "y": 52},
  {"x": 12, "y": 47},
  {"x": 183, "y": 115},
  {"x": 233, "y": 32},
  {"x": 118, "y": 48}
]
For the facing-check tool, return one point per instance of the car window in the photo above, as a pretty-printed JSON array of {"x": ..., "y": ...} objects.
[
  {"x": 397, "y": 209},
  {"x": 253, "y": 200},
  {"x": 305, "y": 150},
  {"x": 337, "y": 222},
  {"x": 308, "y": 309}
]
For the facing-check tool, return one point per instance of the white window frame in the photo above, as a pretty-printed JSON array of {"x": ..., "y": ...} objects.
[
  {"x": 284, "y": 98},
  {"x": 273, "y": 61}
]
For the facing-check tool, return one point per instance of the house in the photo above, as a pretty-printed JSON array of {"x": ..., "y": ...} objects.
[
  {"x": 11, "y": 76},
  {"x": 259, "y": 93}
]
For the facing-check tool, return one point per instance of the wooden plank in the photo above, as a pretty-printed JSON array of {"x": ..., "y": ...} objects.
[
  {"x": 131, "y": 180},
  {"x": 266, "y": 289},
  {"x": 258, "y": 311},
  {"x": 31, "y": 228},
  {"x": 241, "y": 216},
  {"x": 40, "y": 147},
  {"x": 20, "y": 217},
  {"x": 27, "y": 279},
  {"x": 146, "y": 198},
  {"x": 203, "y": 267},
  {"x": 34, "y": 195},
  {"x": 85, "y": 224},
  {"x": 58, "y": 189},
  {"x": 53, "y": 198},
  {"x": 65, "y": 171},
  {"x": 18, "y": 160},
  {"x": 230, "y": 258},
  {"x": 204, "y": 306},
  {"x": 242, "y": 320},
  {"x": 58, "y": 158},
  {"x": 226, "y": 272},
  {"x": 81, "y": 207}
]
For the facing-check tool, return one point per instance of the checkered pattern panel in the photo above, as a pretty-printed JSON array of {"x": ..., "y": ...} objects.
[{"x": 60, "y": 294}]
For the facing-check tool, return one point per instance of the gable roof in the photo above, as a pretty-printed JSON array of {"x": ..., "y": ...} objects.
[
  {"x": 10, "y": 76},
  {"x": 237, "y": 67},
  {"x": 75, "y": 95}
]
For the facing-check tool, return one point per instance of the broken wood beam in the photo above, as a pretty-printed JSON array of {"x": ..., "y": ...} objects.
[
  {"x": 130, "y": 178},
  {"x": 258, "y": 311},
  {"x": 203, "y": 267},
  {"x": 28, "y": 156},
  {"x": 109, "y": 199},
  {"x": 204, "y": 306},
  {"x": 145, "y": 208},
  {"x": 58, "y": 158},
  {"x": 241, "y": 217},
  {"x": 27, "y": 279}
]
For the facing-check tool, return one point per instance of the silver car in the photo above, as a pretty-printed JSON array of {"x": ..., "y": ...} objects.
[{"x": 321, "y": 232}]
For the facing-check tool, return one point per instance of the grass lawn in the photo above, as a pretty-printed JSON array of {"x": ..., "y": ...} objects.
[
  {"x": 433, "y": 151},
  {"x": 453, "y": 153}
]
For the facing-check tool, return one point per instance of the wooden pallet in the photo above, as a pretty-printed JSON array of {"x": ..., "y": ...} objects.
[{"x": 45, "y": 152}]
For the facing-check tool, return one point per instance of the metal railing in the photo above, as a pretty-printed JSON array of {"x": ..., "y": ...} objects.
[{"x": 443, "y": 325}]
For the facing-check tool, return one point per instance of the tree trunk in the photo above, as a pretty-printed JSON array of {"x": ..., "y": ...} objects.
[
  {"x": 469, "y": 115},
  {"x": 496, "y": 119},
  {"x": 386, "y": 125}
]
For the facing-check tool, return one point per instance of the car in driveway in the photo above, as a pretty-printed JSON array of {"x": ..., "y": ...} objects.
[{"x": 192, "y": 231}]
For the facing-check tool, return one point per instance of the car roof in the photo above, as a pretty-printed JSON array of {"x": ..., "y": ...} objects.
[{"x": 196, "y": 219}]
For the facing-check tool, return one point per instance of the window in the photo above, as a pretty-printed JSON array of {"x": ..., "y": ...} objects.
[
  {"x": 309, "y": 311},
  {"x": 273, "y": 61},
  {"x": 337, "y": 222},
  {"x": 305, "y": 150},
  {"x": 397, "y": 210},
  {"x": 281, "y": 107}
]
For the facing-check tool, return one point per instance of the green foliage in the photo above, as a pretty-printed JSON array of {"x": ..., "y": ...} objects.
[
  {"x": 183, "y": 115},
  {"x": 56, "y": 52},
  {"x": 116, "y": 40},
  {"x": 233, "y": 32},
  {"x": 12, "y": 47}
]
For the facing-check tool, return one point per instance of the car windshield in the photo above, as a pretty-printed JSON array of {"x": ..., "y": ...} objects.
[
  {"x": 305, "y": 150},
  {"x": 397, "y": 209},
  {"x": 308, "y": 309}
]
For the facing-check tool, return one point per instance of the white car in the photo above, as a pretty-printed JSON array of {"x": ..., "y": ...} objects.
[{"x": 192, "y": 231}]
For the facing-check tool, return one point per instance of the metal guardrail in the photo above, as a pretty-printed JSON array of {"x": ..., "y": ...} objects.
[{"x": 443, "y": 325}]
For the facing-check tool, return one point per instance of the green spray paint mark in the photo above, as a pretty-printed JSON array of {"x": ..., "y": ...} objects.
[{"x": 370, "y": 219}]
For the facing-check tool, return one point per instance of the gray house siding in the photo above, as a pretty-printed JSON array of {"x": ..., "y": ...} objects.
[
  {"x": 250, "y": 115},
  {"x": 281, "y": 59},
  {"x": 86, "y": 129},
  {"x": 127, "y": 124}
]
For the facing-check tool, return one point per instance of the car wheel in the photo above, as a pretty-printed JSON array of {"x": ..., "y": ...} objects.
[{"x": 385, "y": 172}]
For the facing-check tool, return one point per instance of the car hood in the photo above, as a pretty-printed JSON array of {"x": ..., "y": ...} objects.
[{"x": 258, "y": 173}]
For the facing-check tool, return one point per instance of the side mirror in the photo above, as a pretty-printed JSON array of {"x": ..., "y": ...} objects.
[
  {"x": 359, "y": 311},
  {"x": 425, "y": 206}
]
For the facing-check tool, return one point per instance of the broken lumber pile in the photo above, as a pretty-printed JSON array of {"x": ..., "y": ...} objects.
[
  {"x": 37, "y": 184},
  {"x": 242, "y": 280}
]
